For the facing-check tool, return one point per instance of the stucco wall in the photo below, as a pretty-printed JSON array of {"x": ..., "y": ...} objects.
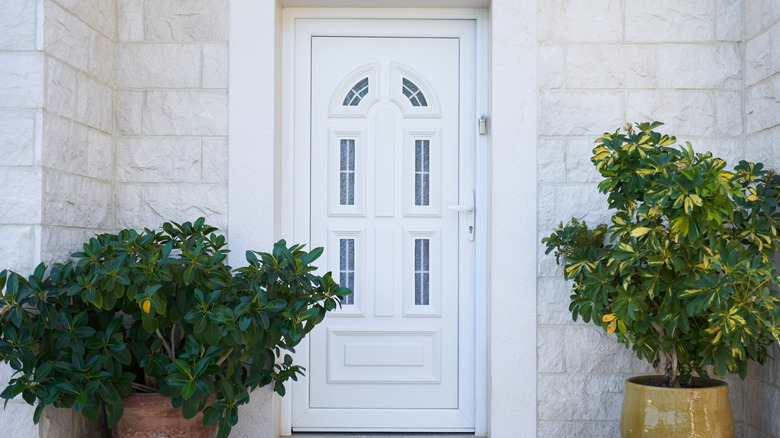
[
  {"x": 762, "y": 117},
  {"x": 602, "y": 64}
]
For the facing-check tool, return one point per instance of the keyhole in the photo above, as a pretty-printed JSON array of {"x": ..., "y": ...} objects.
[{"x": 471, "y": 230}]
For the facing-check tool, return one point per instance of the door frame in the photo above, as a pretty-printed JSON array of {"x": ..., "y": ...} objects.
[{"x": 295, "y": 210}]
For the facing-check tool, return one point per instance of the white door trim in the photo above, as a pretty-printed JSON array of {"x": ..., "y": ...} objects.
[{"x": 295, "y": 163}]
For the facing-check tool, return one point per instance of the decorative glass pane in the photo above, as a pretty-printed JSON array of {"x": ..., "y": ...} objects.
[
  {"x": 422, "y": 172},
  {"x": 357, "y": 93},
  {"x": 347, "y": 172},
  {"x": 422, "y": 272},
  {"x": 414, "y": 94},
  {"x": 347, "y": 267}
]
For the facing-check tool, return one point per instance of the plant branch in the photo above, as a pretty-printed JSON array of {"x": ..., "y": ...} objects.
[
  {"x": 165, "y": 344},
  {"x": 224, "y": 357},
  {"x": 140, "y": 387},
  {"x": 669, "y": 363}
]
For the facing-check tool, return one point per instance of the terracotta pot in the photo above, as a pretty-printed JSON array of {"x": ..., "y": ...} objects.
[
  {"x": 654, "y": 411},
  {"x": 151, "y": 416}
]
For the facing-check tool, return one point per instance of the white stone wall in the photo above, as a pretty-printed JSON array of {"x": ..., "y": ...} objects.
[
  {"x": 602, "y": 64},
  {"x": 762, "y": 124},
  {"x": 77, "y": 148},
  {"x": 21, "y": 103},
  {"x": 171, "y": 112}
]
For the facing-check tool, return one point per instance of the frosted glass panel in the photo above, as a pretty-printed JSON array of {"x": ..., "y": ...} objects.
[
  {"x": 357, "y": 93},
  {"x": 422, "y": 172},
  {"x": 422, "y": 272},
  {"x": 347, "y": 267},
  {"x": 347, "y": 172},
  {"x": 413, "y": 92}
]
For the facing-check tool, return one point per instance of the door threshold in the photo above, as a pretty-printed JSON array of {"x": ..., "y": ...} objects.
[{"x": 380, "y": 435}]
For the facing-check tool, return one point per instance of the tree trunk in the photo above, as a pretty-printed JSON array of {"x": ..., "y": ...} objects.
[{"x": 668, "y": 360}]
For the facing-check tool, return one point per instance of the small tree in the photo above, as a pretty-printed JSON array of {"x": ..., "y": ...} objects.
[{"x": 687, "y": 274}]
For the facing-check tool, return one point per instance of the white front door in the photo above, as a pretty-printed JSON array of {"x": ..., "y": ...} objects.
[{"x": 391, "y": 199}]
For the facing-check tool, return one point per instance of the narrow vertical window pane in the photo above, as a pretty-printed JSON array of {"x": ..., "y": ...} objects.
[
  {"x": 422, "y": 172},
  {"x": 422, "y": 283},
  {"x": 347, "y": 172},
  {"x": 347, "y": 267}
]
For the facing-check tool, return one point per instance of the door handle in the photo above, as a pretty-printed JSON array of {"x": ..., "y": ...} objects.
[{"x": 470, "y": 209}]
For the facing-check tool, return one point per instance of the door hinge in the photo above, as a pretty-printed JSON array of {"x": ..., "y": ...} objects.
[{"x": 482, "y": 124}]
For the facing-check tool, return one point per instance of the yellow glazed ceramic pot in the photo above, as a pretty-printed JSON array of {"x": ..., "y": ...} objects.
[{"x": 657, "y": 412}]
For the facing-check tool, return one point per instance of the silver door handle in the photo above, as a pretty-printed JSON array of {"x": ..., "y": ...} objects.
[{"x": 468, "y": 208}]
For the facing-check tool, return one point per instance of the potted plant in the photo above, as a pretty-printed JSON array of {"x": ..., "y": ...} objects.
[
  {"x": 160, "y": 312},
  {"x": 685, "y": 273}
]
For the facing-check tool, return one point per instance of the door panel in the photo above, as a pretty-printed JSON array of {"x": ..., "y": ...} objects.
[{"x": 385, "y": 146}]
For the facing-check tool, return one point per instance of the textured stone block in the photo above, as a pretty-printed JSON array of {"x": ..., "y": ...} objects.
[
  {"x": 185, "y": 20},
  {"x": 215, "y": 66},
  {"x": 551, "y": 67},
  {"x": 760, "y": 146},
  {"x": 98, "y": 14},
  {"x": 181, "y": 203},
  {"x": 62, "y": 89},
  {"x": 127, "y": 206},
  {"x": 670, "y": 20},
  {"x": 579, "y": 113},
  {"x": 17, "y": 137},
  {"x": 551, "y": 160},
  {"x": 66, "y": 37},
  {"x": 128, "y": 111},
  {"x": 21, "y": 76},
  {"x": 263, "y": 408},
  {"x": 562, "y": 202},
  {"x": 759, "y": 14},
  {"x": 564, "y": 20},
  {"x": 545, "y": 263},
  {"x": 215, "y": 160},
  {"x": 130, "y": 20},
  {"x": 74, "y": 148},
  {"x": 21, "y": 195},
  {"x": 684, "y": 113},
  {"x": 17, "y": 25},
  {"x": 592, "y": 350},
  {"x": 762, "y": 105},
  {"x": 728, "y": 20},
  {"x": 730, "y": 149},
  {"x": 67, "y": 423},
  {"x": 185, "y": 113},
  {"x": 774, "y": 59},
  {"x": 158, "y": 159},
  {"x": 758, "y": 59},
  {"x": 610, "y": 66},
  {"x": 95, "y": 104},
  {"x": 728, "y": 112},
  {"x": 101, "y": 155},
  {"x": 700, "y": 66},
  {"x": 76, "y": 201},
  {"x": 142, "y": 65},
  {"x": 58, "y": 243},
  {"x": 572, "y": 397},
  {"x": 16, "y": 254},
  {"x": 759, "y": 396},
  {"x": 102, "y": 58},
  {"x": 594, "y": 429},
  {"x": 550, "y": 350},
  {"x": 65, "y": 145},
  {"x": 579, "y": 168},
  {"x": 18, "y": 417},
  {"x": 552, "y": 305}
]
